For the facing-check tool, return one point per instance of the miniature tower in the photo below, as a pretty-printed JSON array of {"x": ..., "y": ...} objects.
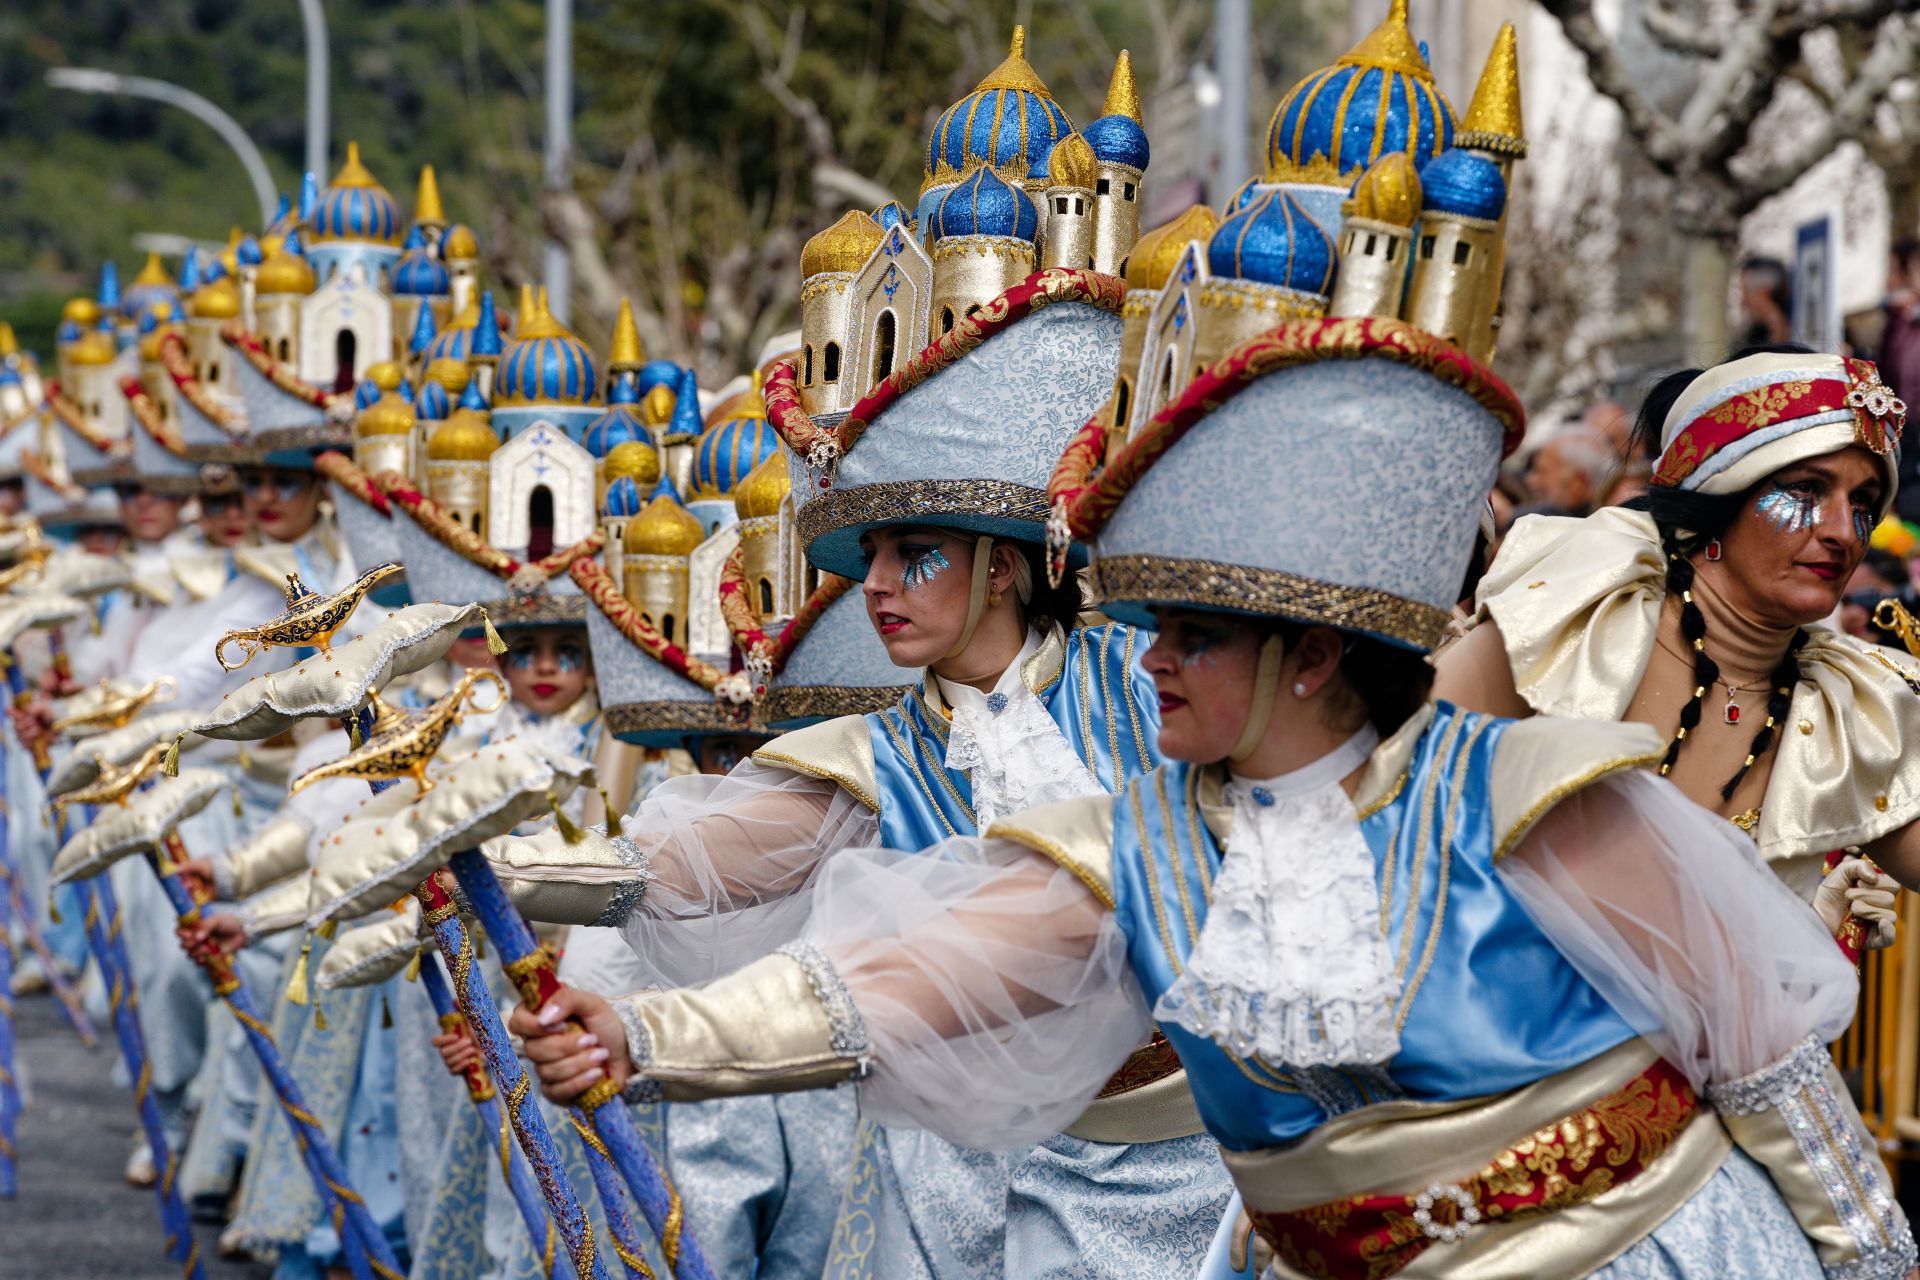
[
  {"x": 1072, "y": 218},
  {"x": 983, "y": 245},
  {"x": 1493, "y": 127},
  {"x": 683, "y": 433},
  {"x": 457, "y": 462},
  {"x": 1266, "y": 264},
  {"x": 419, "y": 285},
  {"x": 623, "y": 503},
  {"x": 428, "y": 215},
  {"x": 1119, "y": 145},
  {"x": 828, "y": 264},
  {"x": 1452, "y": 293},
  {"x": 625, "y": 356},
  {"x": 461, "y": 252},
  {"x": 759, "y": 502},
  {"x": 284, "y": 279},
  {"x": 1376, "y": 239},
  {"x": 383, "y": 436},
  {"x": 654, "y": 549},
  {"x": 214, "y": 306},
  {"x": 1148, "y": 267},
  {"x": 485, "y": 348}
]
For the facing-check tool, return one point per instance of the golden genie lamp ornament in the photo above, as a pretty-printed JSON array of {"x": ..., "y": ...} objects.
[
  {"x": 115, "y": 782},
  {"x": 401, "y": 743},
  {"x": 116, "y": 710},
  {"x": 310, "y": 618}
]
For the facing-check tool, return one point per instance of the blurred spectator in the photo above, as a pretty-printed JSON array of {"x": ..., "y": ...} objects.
[
  {"x": 1630, "y": 483},
  {"x": 1570, "y": 472},
  {"x": 1610, "y": 420},
  {"x": 1766, "y": 303},
  {"x": 1880, "y": 574},
  {"x": 1900, "y": 357}
]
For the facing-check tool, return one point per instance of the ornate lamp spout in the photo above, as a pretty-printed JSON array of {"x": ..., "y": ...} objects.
[
  {"x": 310, "y": 618},
  {"x": 115, "y": 783},
  {"x": 116, "y": 712}
]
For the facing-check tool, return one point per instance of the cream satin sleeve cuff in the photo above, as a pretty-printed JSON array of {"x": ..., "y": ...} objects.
[
  {"x": 265, "y": 858},
  {"x": 782, "y": 1024},
  {"x": 598, "y": 880}
]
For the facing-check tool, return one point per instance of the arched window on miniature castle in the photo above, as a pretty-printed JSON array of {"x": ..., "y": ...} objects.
[
  {"x": 830, "y": 363},
  {"x": 1169, "y": 376},
  {"x": 1122, "y": 397},
  {"x": 884, "y": 332},
  {"x": 284, "y": 353},
  {"x": 766, "y": 597},
  {"x": 539, "y": 523},
  {"x": 806, "y": 376},
  {"x": 344, "y": 343}
]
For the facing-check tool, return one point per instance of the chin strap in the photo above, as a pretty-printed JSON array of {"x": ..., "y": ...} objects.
[
  {"x": 1266, "y": 679},
  {"x": 977, "y": 597}
]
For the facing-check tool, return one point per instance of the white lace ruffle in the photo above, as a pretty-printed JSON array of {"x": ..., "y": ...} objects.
[
  {"x": 1292, "y": 964},
  {"x": 1015, "y": 757}
]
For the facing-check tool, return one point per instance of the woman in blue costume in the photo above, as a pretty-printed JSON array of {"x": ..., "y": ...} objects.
[
  {"x": 940, "y": 512},
  {"x": 1427, "y": 1001}
]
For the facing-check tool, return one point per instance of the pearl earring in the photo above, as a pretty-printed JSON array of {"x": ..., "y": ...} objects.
[{"x": 1299, "y": 688}]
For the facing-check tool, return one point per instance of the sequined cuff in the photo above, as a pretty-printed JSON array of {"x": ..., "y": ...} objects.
[
  {"x": 642, "y": 1087},
  {"x": 1796, "y": 1118},
  {"x": 847, "y": 1029},
  {"x": 224, "y": 889}
]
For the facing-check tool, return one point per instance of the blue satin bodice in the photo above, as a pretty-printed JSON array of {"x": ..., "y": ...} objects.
[
  {"x": 1488, "y": 1003},
  {"x": 1095, "y": 691}
]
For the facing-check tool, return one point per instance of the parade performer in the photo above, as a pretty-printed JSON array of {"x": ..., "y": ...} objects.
[{"x": 1696, "y": 612}]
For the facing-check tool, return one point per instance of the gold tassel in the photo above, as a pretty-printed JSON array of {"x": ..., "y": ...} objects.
[
  {"x": 170, "y": 763},
  {"x": 241, "y": 758},
  {"x": 238, "y": 812},
  {"x": 386, "y": 1012},
  {"x": 319, "y": 1019},
  {"x": 297, "y": 984},
  {"x": 568, "y": 832},
  {"x": 413, "y": 967},
  {"x": 495, "y": 645},
  {"x": 353, "y": 731},
  {"x": 328, "y": 929},
  {"x": 53, "y": 909}
]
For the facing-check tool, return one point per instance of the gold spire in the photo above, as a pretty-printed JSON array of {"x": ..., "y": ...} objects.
[
  {"x": 523, "y": 316},
  {"x": 1155, "y": 253},
  {"x": 426, "y": 200},
  {"x": 1015, "y": 73},
  {"x": 1387, "y": 192},
  {"x": 1492, "y": 122},
  {"x": 353, "y": 173},
  {"x": 154, "y": 273},
  {"x": 9, "y": 345},
  {"x": 543, "y": 325},
  {"x": 1392, "y": 46},
  {"x": 626, "y": 352},
  {"x": 1071, "y": 163},
  {"x": 1123, "y": 99}
]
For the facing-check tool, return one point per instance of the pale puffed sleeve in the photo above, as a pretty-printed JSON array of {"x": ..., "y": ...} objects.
[
  {"x": 1669, "y": 913},
  {"x": 976, "y": 989}
]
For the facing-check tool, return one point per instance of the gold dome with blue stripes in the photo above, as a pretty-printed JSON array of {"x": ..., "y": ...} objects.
[
  {"x": 737, "y": 439},
  {"x": 1009, "y": 122},
  {"x": 1378, "y": 97},
  {"x": 546, "y": 374}
]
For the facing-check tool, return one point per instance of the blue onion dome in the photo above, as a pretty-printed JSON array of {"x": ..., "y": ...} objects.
[
  {"x": 620, "y": 424},
  {"x": 1118, "y": 136},
  {"x": 431, "y": 403},
  {"x": 734, "y": 445},
  {"x": 893, "y": 214},
  {"x": 356, "y": 207},
  {"x": 984, "y": 205},
  {"x": 623, "y": 498},
  {"x": 1378, "y": 97},
  {"x": 152, "y": 285},
  {"x": 419, "y": 274},
  {"x": 1249, "y": 191},
  {"x": 1273, "y": 241},
  {"x": 454, "y": 342},
  {"x": 657, "y": 373},
  {"x": 544, "y": 364},
  {"x": 1465, "y": 184},
  {"x": 1009, "y": 122},
  {"x": 685, "y": 424}
]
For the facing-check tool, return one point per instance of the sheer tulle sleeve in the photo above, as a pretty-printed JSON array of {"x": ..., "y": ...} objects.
[
  {"x": 726, "y": 859},
  {"x": 1667, "y": 910},
  {"x": 994, "y": 988}
]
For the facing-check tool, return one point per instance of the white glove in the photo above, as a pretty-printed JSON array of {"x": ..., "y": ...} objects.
[
  {"x": 1859, "y": 891},
  {"x": 1249, "y": 1246}
]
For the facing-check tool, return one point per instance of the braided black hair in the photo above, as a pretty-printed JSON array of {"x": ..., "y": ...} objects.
[{"x": 1687, "y": 521}]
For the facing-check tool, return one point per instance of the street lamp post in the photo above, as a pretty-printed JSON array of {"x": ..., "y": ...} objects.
[
  {"x": 555, "y": 268},
  {"x": 94, "y": 80},
  {"x": 315, "y": 20}
]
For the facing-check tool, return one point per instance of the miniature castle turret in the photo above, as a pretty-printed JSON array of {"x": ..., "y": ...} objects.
[
  {"x": 458, "y": 453},
  {"x": 1376, "y": 239},
  {"x": 655, "y": 547},
  {"x": 1120, "y": 149}
]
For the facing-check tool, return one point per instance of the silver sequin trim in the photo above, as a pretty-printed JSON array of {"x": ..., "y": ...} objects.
[
  {"x": 1804, "y": 1089},
  {"x": 641, "y": 1088},
  {"x": 847, "y": 1030},
  {"x": 628, "y": 894}
]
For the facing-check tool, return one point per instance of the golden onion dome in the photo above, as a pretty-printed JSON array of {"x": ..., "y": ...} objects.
[
  {"x": 844, "y": 246},
  {"x": 1156, "y": 252},
  {"x": 635, "y": 459},
  {"x": 387, "y": 416},
  {"x": 656, "y": 407},
  {"x": 451, "y": 374},
  {"x": 385, "y": 374},
  {"x": 459, "y": 243},
  {"x": 283, "y": 272},
  {"x": 663, "y": 528},
  {"x": 764, "y": 489},
  {"x": 1387, "y": 192},
  {"x": 466, "y": 436},
  {"x": 215, "y": 300},
  {"x": 82, "y": 311},
  {"x": 93, "y": 347},
  {"x": 1071, "y": 163}
]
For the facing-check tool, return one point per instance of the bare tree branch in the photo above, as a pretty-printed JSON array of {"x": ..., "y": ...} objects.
[{"x": 1658, "y": 138}]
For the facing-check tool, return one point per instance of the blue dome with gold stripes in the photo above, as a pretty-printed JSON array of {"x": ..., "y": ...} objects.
[
  {"x": 619, "y": 424},
  {"x": 1010, "y": 121},
  {"x": 356, "y": 206},
  {"x": 1273, "y": 241},
  {"x": 1378, "y": 98},
  {"x": 419, "y": 274},
  {"x": 544, "y": 364},
  {"x": 983, "y": 205},
  {"x": 732, "y": 446}
]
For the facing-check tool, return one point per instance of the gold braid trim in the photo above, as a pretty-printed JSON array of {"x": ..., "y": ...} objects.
[
  {"x": 547, "y": 1254},
  {"x": 506, "y": 1149},
  {"x": 440, "y": 915},
  {"x": 588, "y": 1134},
  {"x": 521, "y": 972},
  {"x": 633, "y": 1260},
  {"x": 145, "y": 1081},
  {"x": 301, "y": 1114},
  {"x": 600, "y": 1094}
]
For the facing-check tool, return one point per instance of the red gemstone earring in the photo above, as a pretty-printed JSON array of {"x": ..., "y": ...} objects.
[{"x": 1713, "y": 549}]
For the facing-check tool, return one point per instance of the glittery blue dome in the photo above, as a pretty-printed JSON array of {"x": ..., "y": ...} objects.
[
  {"x": 419, "y": 274},
  {"x": 656, "y": 373},
  {"x": 548, "y": 367},
  {"x": 727, "y": 451},
  {"x": 449, "y": 344},
  {"x": 1009, "y": 119},
  {"x": 355, "y": 206},
  {"x": 892, "y": 214},
  {"x": 1378, "y": 97},
  {"x": 1273, "y": 241},
  {"x": 365, "y": 392},
  {"x": 248, "y": 252},
  {"x": 431, "y": 404},
  {"x": 623, "y": 498},
  {"x": 1118, "y": 140},
  {"x": 1465, "y": 184},
  {"x": 619, "y": 424},
  {"x": 983, "y": 205}
]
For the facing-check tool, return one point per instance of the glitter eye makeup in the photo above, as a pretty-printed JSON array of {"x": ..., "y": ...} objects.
[
  {"x": 520, "y": 658},
  {"x": 923, "y": 566},
  {"x": 1787, "y": 511},
  {"x": 1863, "y": 523},
  {"x": 570, "y": 658},
  {"x": 1199, "y": 648}
]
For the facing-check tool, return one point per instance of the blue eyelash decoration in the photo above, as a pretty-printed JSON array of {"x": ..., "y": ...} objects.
[
  {"x": 520, "y": 659},
  {"x": 569, "y": 658},
  {"x": 1863, "y": 524},
  {"x": 924, "y": 568},
  {"x": 1786, "y": 511}
]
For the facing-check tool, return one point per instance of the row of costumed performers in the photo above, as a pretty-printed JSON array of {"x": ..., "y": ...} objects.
[{"x": 868, "y": 738}]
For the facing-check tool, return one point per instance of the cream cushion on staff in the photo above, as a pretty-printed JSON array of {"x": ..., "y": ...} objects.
[
  {"x": 118, "y": 747},
  {"x": 374, "y": 951},
  {"x": 138, "y": 826},
  {"x": 41, "y": 610}
]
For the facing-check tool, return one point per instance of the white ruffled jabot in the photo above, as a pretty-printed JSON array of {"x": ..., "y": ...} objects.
[
  {"x": 1013, "y": 754},
  {"x": 1292, "y": 964}
]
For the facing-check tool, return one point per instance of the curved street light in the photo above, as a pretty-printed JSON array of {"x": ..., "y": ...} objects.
[
  {"x": 94, "y": 80},
  {"x": 315, "y": 20}
]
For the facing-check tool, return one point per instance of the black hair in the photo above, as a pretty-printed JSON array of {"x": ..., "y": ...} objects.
[
  {"x": 1386, "y": 681},
  {"x": 1688, "y": 521},
  {"x": 1049, "y": 605}
]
